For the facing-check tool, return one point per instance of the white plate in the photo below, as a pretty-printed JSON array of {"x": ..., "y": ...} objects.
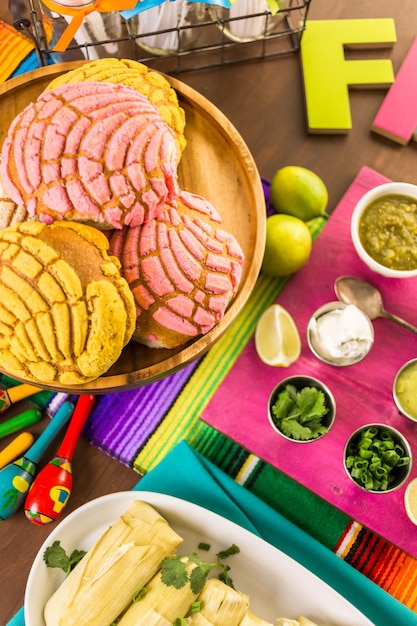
[{"x": 277, "y": 585}]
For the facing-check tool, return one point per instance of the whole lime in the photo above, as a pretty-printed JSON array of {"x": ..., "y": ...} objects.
[
  {"x": 287, "y": 245},
  {"x": 300, "y": 192}
]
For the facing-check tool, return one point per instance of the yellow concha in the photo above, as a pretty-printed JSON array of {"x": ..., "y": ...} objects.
[{"x": 277, "y": 339}]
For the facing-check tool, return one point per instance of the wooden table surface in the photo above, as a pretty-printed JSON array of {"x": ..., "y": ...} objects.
[{"x": 264, "y": 100}]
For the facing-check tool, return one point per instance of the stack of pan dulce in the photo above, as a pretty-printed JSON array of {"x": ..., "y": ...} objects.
[{"x": 98, "y": 243}]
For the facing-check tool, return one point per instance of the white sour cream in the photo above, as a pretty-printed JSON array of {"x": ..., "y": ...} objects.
[{"x": 342, "y": 334}]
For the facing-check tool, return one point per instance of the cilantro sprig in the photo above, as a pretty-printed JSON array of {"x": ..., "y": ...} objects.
[
  {"x": 174, "y": 571},
  {"x": 55, "y": 556},
  {"x": 298, "y": 414}
]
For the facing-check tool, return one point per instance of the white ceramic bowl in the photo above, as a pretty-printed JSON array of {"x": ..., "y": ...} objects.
[{"x": 405, "y": 189}]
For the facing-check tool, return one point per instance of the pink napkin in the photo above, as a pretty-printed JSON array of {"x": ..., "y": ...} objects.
[{"x": 363, "y": 392}]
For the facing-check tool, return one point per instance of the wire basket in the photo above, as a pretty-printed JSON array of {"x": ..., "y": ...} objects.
[{"x": 192, "y": 36}]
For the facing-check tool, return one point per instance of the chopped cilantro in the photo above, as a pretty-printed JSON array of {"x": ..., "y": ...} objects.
[
  {"x": 55, "y": 556},
  {"x": 298, "y": 414},
  {"x": 174, "y": 570}
]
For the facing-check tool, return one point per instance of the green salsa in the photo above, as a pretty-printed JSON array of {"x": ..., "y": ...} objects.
[
  {"x": 405, "y": 389},
  {"x": 388, "y": 231}
]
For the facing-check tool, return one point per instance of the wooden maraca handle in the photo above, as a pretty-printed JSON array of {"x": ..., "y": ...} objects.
[
  {"x": 82, "y": 410},
  {"x": 18, "y": 422},
  {"x": 14, "y": 394},
  {"x": 16, "y": 448}
]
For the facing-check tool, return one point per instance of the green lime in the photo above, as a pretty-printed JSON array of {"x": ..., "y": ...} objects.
[
  {"x": 300, "y": 192},
  {"x": 287, "y": 246}
]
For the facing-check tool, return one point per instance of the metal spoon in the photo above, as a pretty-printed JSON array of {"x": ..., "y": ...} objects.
[{"x": 366, "y": 297}]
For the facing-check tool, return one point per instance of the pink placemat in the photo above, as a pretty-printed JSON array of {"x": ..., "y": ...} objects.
[{"x": 363, "y": 392}]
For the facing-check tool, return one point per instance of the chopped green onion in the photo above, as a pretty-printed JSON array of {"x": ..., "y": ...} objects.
[
  {"x": 140, "y": 594},
  {"x": 404, "y": 460},
  {"x": 386, "y": 435},
  {"x": 196, "y": 606},
  {"x": 373, "y": 458},
  {"x": 370, "y": 432}
]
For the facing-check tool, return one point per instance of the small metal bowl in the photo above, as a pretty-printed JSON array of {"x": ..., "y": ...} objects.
[
  {"x": 324, "y": 347},
  {"x": 404, "y": 390},
  {"x": 398, "y": 474},
  {"x": 300, "y": 382}
]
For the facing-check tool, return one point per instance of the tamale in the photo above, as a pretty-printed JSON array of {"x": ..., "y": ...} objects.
[
  {"x": 284, "y": 621},
  {"x": 304, "y": 621},
  {"x": 151, "y": 618},
  {"x": 198, "y": 619},
  {"x": 121, "y": 562},
  {"x": 253, "y": 620},
  {"x": 166, "y": 603},
  {"x": 220, "y": 604}
]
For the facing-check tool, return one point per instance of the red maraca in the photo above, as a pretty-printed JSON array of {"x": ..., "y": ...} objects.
[{"x": 51, "y": 488}]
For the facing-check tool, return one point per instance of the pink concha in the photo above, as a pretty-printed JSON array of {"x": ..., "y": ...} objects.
[
  {"x": 93, "y": 151},
  {"x": 183, "y": 269}
]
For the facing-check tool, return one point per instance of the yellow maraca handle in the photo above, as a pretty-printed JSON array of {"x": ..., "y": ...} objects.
[
  {"x": 14, "y": 394},
  {"x": 16, "y": 448}
]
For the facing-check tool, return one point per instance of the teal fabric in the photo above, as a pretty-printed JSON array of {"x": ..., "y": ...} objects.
[
  {"x": 186, "y": 474},
  {"x": 18, "y": 619}
]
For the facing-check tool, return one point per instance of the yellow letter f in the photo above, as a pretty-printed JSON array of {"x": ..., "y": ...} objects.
[{"x": 328, "y": 75}]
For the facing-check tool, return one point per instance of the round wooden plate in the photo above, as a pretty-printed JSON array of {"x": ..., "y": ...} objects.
[{"x": 217, "y": 165}]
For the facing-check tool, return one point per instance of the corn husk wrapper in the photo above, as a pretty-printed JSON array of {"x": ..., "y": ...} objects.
[
  {"x": 300, "y": 621},
  {"x": 220, "y": 605},
  {"x": 253, "y": 620},
  {"x": 161, "y": 604},
  {"x": 152, "y": 618},
  {"x": 304, "y": 621},
  {"x": 198, "y": 619},
  {"x": 119, "y": 564}
]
